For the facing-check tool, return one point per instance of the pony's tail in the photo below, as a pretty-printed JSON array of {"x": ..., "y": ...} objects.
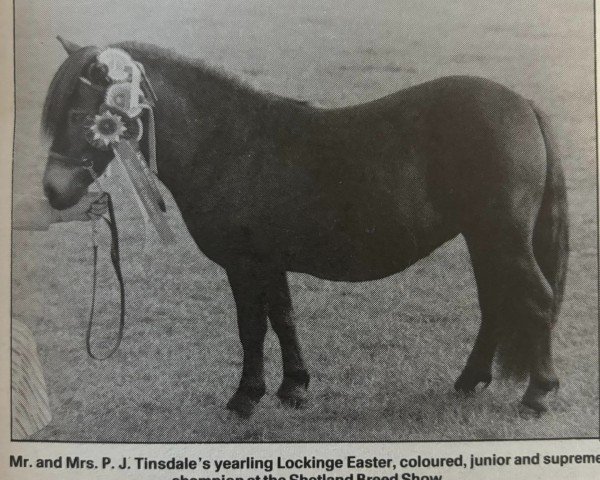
[{"x": 551, "y": 231}]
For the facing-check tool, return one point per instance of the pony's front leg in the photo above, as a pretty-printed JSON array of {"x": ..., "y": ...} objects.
[
  {"x": 292, "y": 391},
  {"x": 248, "y": 286}
]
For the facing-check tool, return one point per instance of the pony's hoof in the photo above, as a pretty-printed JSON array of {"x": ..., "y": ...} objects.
[
  {"x": 468, "y": 381},
  {"x": 242, "y": 405},
  {"x": 537, "y": 405},
  {"x": 293, "y": 401},
  {"x": 292, "y": 395},
  {"x": 535, "y": 395}
]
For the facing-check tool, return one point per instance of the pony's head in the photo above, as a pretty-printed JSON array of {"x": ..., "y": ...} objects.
[{"x": 74, "y": 97}]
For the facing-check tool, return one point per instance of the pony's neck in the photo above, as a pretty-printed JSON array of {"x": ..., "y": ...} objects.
[{"x": 203, "y": 118}]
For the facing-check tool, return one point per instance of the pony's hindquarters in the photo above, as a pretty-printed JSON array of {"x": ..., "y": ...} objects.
[
  {"x": 539, "y": 273},
  {"x": 516, "y": 229},
  {"x": 551, "y": 250}
]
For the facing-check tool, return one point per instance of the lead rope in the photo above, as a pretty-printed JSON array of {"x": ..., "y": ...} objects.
[{"x": 116, "y": 262}]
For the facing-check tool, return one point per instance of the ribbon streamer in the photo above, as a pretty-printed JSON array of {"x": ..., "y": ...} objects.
[
  {"x": 144, "y": 187},
  {"x": 151, "y": 138}
]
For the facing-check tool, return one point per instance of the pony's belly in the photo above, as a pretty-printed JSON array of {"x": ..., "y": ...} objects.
[{"x": 368, "y": 256}]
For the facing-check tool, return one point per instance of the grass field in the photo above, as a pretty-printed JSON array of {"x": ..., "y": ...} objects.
[{"x": 383, "y": 355}]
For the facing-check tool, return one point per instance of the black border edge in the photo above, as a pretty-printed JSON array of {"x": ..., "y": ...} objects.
[
  {"x": 597, "y": 190},
  {"x": 12, "y": 197}
]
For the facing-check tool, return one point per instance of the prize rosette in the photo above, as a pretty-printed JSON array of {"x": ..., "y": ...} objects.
[
  {"x": 107, "y": 129},
  {"x": 119, "y": 64},
  {"x": 104, "y": 129},
  {"x": 124, "y": 97}
]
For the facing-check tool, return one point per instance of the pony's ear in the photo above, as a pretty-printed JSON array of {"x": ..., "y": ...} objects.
[{"x": 70, "y": 47}]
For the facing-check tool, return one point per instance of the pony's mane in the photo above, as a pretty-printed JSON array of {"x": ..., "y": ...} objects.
[
  {"x": 63, "y": 86},
  {"x": 185, "y": 71},
  {"x": 180, "y": 64}
]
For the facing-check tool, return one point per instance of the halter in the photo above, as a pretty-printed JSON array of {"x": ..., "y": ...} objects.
[
  {"x": 117, "y": 126},
  {"x": 83, "y": 162}
]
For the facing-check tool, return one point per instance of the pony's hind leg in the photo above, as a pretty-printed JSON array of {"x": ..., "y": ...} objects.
[
  {"x": 532, "y": 342},
  {"x": 543, "y": 378},
  {"x": 248, "y": 285},
  {"x": 517, "y": 302},
  {"x": 292, "y": 391},
  {"x": 479, "y": 364}
]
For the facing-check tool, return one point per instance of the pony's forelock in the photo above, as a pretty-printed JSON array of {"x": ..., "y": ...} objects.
[{"x": 63, "y": 86}]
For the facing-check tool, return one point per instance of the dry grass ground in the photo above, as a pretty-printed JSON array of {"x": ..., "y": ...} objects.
[{"x": 383, "y": 355}]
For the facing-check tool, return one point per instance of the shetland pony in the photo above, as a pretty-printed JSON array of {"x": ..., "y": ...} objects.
[{"x": 268, "y": 185}]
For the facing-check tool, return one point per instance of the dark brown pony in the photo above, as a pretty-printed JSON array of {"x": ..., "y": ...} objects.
[{"x": 268, "y": 185}]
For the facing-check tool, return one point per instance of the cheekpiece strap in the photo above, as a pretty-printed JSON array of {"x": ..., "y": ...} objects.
[
  {"x": 95, "y": 93},
  {"x": 89, "y": 85}
]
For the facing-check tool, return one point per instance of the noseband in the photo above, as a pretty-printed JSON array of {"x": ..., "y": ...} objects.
[{"x": 83, "y": 162}]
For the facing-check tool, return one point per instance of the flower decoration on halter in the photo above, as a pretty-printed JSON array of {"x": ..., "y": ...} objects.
[
  {"x": 105, "y": 130},
  {"x": 125, "y": 98}
]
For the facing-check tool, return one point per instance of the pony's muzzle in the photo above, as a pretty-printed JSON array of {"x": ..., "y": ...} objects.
[
  {"x": 63, "y": 186},
  {"x": 56, "y": 199}
]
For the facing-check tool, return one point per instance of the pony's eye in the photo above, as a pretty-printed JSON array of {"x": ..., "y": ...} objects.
[{"x": 98, "y": 73}]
